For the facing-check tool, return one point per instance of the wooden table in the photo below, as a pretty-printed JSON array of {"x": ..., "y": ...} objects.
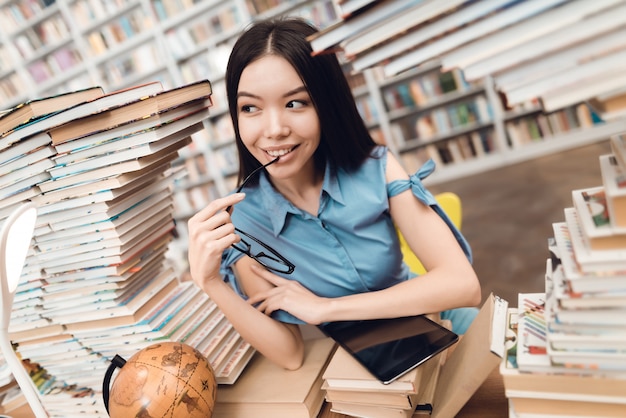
[{"x": 489, "y": 401}]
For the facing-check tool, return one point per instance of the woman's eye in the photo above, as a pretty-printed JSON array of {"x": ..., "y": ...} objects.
[
  {"x": 248, "y": 108},
  {"x": 296, "y": 104}
]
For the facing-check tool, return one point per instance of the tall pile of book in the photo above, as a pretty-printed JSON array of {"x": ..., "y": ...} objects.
[
  {"x": 96, "y": 281},
  {"x": 567, "y": 345}
]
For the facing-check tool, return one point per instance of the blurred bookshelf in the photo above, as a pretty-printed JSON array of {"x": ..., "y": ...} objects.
[
  {"x": 49, "y": 47},
  {"x": 420, "y": 101}
]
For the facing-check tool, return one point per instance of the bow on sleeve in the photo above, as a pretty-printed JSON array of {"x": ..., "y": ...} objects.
[{"x": 423, "y": 195}]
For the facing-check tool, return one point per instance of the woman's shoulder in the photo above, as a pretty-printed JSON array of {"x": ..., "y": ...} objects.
[{"x": 379, "y": 152}]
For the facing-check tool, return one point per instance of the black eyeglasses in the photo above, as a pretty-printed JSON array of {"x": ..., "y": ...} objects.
[{"x": 257, "y": 249}]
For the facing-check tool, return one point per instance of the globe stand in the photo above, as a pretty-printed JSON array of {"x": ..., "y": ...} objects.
[
  {"x": 117, "y": 361},
  {"x": 166, "y": 378}
]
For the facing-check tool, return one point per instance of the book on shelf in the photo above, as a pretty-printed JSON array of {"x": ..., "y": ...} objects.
[
  {"x": 595, "y": 222},
  {"x": 609, "y": 106},
  {"x": 61, "y": 116},
  {"x": 267, "y": 390},
  {"x": 614, "y": 182},
  {"x": 32, "y": 109},
  {"x": 140, "y": 107}
]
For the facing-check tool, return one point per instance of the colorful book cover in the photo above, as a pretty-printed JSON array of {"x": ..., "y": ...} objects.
[{"x": 532, "y": 332}]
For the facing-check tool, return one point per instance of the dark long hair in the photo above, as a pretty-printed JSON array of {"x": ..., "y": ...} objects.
[{"x": 345, "y": 141}]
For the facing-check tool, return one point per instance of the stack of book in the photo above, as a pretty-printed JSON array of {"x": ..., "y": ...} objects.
[
  {"x": 567, "y": 345},
  {"x": 440, "y": 387},
  {"x": 352, "y": 390},
  {"x": 97, "y": 281},
  {"x": 266, "y": 390}
]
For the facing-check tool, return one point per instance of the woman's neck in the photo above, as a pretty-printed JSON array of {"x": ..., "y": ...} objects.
[{"x": 303, "y": 190}]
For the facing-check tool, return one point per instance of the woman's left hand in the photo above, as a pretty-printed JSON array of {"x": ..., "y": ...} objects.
[{"x": 289, "y": 296}]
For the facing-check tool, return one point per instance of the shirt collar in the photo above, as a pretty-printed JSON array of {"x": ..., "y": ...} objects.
[{"x": 278, "y": 207}]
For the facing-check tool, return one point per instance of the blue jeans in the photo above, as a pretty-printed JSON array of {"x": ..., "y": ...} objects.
[{"x": 461, "y": 318}]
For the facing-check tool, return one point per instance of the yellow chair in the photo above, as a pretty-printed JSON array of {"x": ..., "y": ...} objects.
[{"x": 451, "y": 205}]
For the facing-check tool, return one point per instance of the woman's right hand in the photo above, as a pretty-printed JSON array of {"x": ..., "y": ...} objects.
[{"x": 210, "y": 233}]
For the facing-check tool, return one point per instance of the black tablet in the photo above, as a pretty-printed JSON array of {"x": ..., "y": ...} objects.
[{"x": 389, "y": 348}]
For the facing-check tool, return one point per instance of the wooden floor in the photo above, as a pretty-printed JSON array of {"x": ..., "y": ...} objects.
[{"x": 508, "y": 215}]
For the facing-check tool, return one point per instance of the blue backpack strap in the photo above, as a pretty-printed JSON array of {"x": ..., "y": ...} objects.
[{"x": 423, "y": 195}]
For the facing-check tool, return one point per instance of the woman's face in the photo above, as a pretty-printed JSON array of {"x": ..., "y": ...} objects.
[{"x": 277, "y": 117}]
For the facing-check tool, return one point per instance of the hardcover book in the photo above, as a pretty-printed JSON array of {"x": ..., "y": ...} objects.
[
  {"x": 595, "y": 220},
  {"x": 265, "y": 390},
  {"x": 65, "y": 115},
  {"x": 618, "y": 148},
  {"x": 587, "y": 258},
  {"x": 32, "y": 109},
  {"x": 614, "y": 181},
  {"x": 140, "y": 107}
]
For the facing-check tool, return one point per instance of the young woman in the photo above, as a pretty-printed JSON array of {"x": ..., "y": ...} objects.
[{"x": 311, "y": 236}]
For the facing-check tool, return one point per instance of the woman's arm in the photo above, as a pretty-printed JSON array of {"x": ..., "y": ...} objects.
[
  {"x": 450, "y": 282},
  {"x": 210, "y": 233}
]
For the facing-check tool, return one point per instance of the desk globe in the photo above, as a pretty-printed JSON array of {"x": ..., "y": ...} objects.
[{"x": 167, "y": 379}]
